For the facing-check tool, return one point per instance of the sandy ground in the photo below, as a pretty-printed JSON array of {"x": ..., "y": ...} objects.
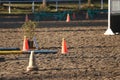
[{"x": 92, "y": 55}]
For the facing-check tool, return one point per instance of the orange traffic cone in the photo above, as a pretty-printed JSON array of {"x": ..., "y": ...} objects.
[
  {"x": 25, "y": 44},
  {"x": 68, "y": 18},
  {"x": 87, "y": 16},
  {"x": 32, "y": 65},
  {"x": 26, "y": 18},
  {"x": 74, "y": 16},
  {"x": 64, "y": 47}
]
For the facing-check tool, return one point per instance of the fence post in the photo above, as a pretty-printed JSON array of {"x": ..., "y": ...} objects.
[
  {"x": 79, "y": 4},
  {"x": 56, "y": 5},
  {"x": 101, "y": 4},
  {"x": 109, "y": 30},
  {"x": 9, "y": 9},
  {"x": 33, "y": 6}
]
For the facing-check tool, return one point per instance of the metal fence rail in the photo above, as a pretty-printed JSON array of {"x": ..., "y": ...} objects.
[
  {"x": 33, "y": 3},
  {"x": 38, "y": 0}
]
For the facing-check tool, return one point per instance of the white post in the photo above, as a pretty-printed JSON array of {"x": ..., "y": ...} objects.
[
  {"x": 102, "y": 3},
  {"x": 109, "y": 31},
  {"x": 9, "y": 9},
  {"x": 56, "y": 5},
  {"x": 109, "y": 11},
  {"x": 79, "y": 4},
  {"x": 33, "y": 6}
]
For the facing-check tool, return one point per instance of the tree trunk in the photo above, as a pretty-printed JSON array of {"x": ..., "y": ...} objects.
[
  {"x": 44, "y": 3},
  {"x": 89, "y": 2}
]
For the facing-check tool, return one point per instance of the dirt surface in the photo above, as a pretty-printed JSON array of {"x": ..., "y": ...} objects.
[{"x": 92, "y": 55}]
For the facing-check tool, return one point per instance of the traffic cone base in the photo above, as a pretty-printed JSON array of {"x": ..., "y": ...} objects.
[
  {"x": 32, "y": 68},
  {"x": 64, "y": 47}
]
